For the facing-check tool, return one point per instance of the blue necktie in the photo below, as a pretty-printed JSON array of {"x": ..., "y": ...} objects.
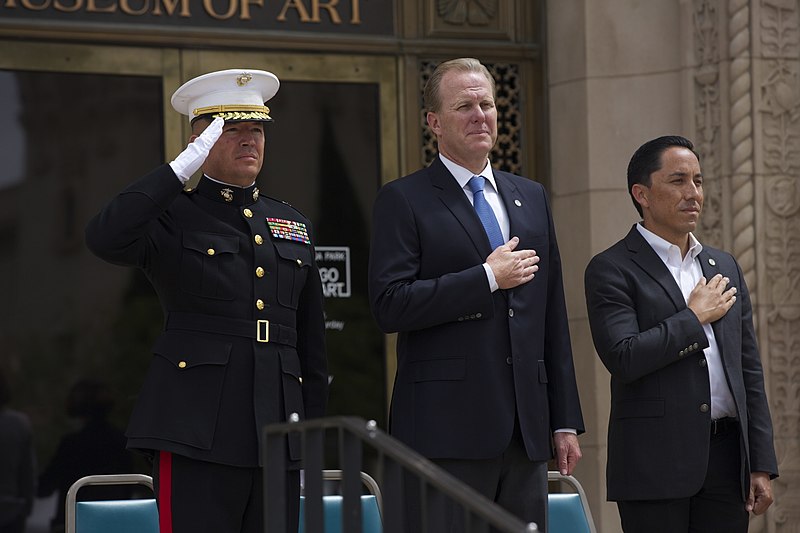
[{"x": 484, "y": 210}]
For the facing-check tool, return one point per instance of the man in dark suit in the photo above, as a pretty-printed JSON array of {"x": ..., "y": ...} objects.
[
  {"x": 484, "y": 364},
  {"x": 243, "y": 341},
  {"x": 690, "y": 438}
]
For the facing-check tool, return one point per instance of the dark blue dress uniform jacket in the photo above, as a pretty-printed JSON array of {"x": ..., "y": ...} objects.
[{"x": 218, "y": 270}]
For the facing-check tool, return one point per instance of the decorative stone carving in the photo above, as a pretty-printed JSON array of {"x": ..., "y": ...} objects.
[
  {"x": 780, "y": 96},
  {"x": 782, "y": 248},
  {"x": 707, "y": 117},
  {"x": 741, "y": 131},
  {"x": 784, "y": 342},
  {"x": 779, "y": 109},
  {"x": 472, "y": 12},
  {"x": 470, "y": 19}
]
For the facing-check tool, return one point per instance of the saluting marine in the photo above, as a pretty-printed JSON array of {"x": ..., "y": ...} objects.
[{"x": 243, "y": 340}]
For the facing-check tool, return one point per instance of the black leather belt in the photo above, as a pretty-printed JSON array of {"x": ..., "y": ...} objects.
[
  {"x": 260, "y": 330},
  {"x": 723, "y": 425}
]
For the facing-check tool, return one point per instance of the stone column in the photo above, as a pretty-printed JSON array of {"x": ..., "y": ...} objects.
[
  {"x": 616, "y": 75},
  {"x": 776, "y": 137}
]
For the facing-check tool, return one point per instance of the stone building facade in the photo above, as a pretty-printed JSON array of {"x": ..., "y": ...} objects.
[
  {"x": 582, "y": 84},
  {"x": 725, "y": 74}
]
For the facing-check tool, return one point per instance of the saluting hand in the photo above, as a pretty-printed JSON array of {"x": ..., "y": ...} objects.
[
  {"x": 191, "y": 159},
  {"x": 710, "y": 301},
  {"x": 512, "y": 268}
]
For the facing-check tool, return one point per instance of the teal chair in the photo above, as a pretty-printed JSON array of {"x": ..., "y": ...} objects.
[
  {"x": 115, "y": 516},
  {"x": 568, "y": 512},
  {"x": 332, "y": 506}
]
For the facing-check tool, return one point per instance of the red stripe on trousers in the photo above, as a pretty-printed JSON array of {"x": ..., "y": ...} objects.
[{"x": 165, "y": 492}]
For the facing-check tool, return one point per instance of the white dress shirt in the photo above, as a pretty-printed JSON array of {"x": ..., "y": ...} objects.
[{"x": 687, "y": 273}]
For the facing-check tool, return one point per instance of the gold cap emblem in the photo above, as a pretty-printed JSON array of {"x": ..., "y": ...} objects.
[{"x": 243, "y": 79}]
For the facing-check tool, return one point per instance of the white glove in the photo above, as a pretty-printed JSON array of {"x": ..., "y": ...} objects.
[{"x": 193, "y": 156}]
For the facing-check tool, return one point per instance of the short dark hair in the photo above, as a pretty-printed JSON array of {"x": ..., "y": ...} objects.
[
  {"x": 647, "y": 159},
  {"x": 200, "y": 123}
]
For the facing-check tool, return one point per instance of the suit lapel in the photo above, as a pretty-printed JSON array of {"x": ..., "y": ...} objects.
[
  {"x": 647, "y": 259},
  {"x": 456, "y": 201},
  {"x": 509, "y": 195}
]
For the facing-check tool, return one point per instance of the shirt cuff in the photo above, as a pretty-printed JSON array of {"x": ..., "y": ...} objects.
[
  {"x": 566, "y": 430},
  {"x": 493, "y": 286}
]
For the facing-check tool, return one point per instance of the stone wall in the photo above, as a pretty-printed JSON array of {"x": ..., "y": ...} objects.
[{"x": 725, "y": 74}]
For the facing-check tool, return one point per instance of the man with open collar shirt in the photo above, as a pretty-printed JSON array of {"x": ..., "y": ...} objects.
[
  {"x": 243, "y": 341},
  {"x": 690, "y": 444}
]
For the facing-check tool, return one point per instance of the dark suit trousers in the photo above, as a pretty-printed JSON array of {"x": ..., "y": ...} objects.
[
  {"x": 716, "y": 508},
  {"x": 511, "y": 480},
  {"x": 201, "y": 497}
]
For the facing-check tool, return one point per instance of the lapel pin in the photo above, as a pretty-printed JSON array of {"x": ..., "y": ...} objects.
[
  {"x": 517, "y": 203},
  {"x": 711, "y": 262}
]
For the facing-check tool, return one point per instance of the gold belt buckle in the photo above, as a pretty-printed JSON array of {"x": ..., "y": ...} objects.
[{"x": 265, "y": 336}]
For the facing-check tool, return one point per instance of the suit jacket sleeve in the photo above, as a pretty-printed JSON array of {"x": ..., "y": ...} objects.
[
  {"x": 562, "y": 389},
  {"x": 631, "y": 338},
  {"x": 759, "y": 428},
  {"x": 402, "y": 298}
]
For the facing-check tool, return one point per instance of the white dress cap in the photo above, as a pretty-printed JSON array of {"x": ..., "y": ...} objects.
[{"x": 235, "y": 94}]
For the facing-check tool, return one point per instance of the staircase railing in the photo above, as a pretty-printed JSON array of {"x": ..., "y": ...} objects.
[{"x": 395, "y": 465}]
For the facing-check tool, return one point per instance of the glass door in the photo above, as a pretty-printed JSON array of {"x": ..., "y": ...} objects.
[{"x": 81, "y": 122}]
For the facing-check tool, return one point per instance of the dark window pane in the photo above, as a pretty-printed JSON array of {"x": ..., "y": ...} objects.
[
  {"x": 323, "y": 157},
  {"x": 69, "y": 142}
]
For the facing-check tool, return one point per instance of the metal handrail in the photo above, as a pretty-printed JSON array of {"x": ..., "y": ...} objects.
[{"x": 394, "y": 459}]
